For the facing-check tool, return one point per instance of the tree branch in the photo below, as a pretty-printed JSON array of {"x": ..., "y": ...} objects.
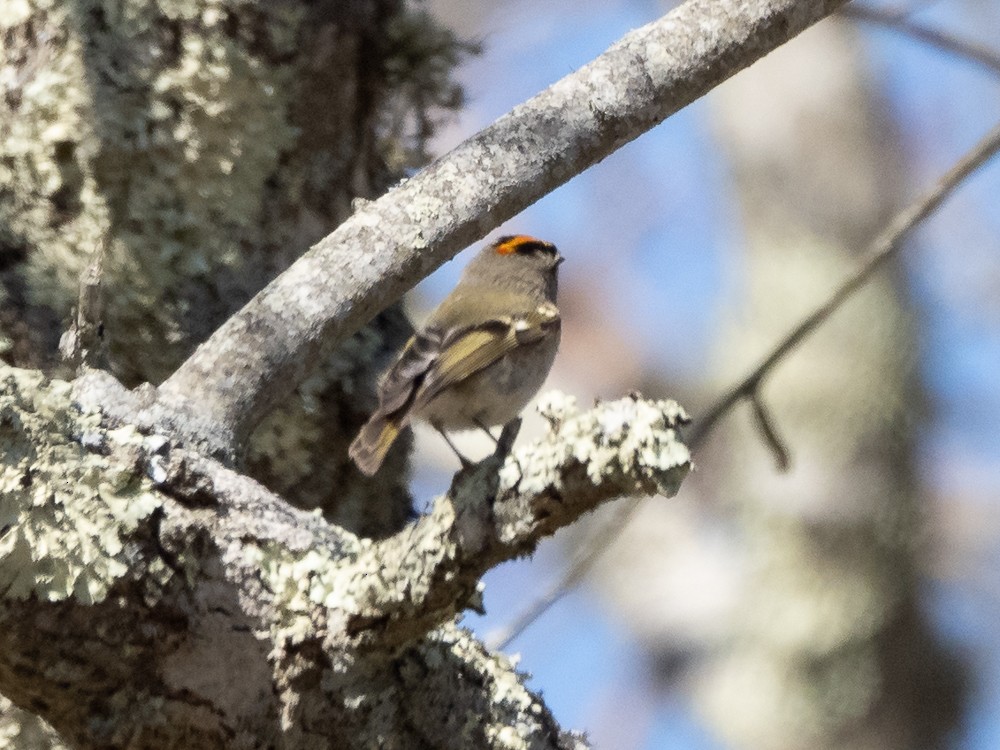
[
  {"x": 587, "y": 556},
  {"x": 264, "y": 350},
  {"x": 503, "y": 507},
  {"x": 769, "y": 432},
  {"x": 134, "y": 572}
]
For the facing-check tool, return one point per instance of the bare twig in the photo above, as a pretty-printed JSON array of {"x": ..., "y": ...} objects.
[
  {"x": 907, "y": 8},
  {"x": 588, "y": 554},
  {"x": 83, "y": 342},
  {"x": 963, "y": 48},
  {"x": 769, "y": 432},
  {"x": 884, "y": 247}
]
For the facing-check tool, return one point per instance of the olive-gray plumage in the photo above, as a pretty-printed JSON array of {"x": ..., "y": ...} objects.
[{"x": 482, "y": 354}]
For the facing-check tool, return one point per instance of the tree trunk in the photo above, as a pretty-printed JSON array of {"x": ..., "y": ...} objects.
[
  {"x": 199, "y": 150},
  {"x": 830, "y": 647}
]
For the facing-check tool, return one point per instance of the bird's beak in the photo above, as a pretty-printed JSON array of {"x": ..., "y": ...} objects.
[{"x": 559, "y": 260}]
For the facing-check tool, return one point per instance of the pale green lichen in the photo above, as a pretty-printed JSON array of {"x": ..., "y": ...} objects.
[
  {"x": 357, "y": 578},
  {"x": 20, "y": 730},
  {"x": 203, "y": 144},
  {"x": 517, "y": 717},
  {"x": 302, "y": 581},
  {"x": 160, "y": 156},
  {"x": 64, "y": 511},
  {"x": 182, "y": 139},
  {"x": 631, "y": 436},
  {"x": 288, "y": 436}
]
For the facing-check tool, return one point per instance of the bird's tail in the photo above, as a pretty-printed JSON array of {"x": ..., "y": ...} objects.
[{"x": 372, "y": 443}]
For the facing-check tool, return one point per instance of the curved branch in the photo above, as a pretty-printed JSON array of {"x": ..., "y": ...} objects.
[{"x": 265, "y": 349}]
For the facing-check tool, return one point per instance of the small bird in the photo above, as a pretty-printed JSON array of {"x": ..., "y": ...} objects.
[{"x": 482, "y": 355}]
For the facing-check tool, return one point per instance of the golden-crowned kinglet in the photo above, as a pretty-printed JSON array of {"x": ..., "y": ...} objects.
[{"x": 481, "y": 356}]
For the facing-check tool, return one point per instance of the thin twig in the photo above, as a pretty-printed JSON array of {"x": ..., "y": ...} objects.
[
  {"x": 963, "y": 48},
  {"x": 83, "y": 342},
  {"x": 768, "y": 431},
  {"x": 590, "y": 551},
  {"x": 908, "y": 8},
  {"x": 884, "y": 247}
]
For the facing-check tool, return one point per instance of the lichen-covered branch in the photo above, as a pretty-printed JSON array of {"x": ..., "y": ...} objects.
[
  {"x": 152, "y": 597},
  {"x": 260, "y": 353},
  {"x": 505, "y": 505}
]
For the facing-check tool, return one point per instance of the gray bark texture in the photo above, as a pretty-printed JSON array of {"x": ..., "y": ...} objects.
[
  {"x": 152, "y": 597},
  {"x": 164, "y": 581},
  {"x": 199, "y": 149}
]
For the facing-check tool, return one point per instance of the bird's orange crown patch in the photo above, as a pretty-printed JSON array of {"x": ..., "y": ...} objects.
[{"x": 508, "y": 245}]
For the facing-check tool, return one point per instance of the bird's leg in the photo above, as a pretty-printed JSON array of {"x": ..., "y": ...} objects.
[
  {"x": 508, "y": 435},
  {"x": 484, "y": 428},
  {"x": 505, "y": 444},
  {"x": 466, "y": 463}
]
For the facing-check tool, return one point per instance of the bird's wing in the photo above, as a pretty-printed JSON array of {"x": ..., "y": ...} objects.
[
  {"x": 470, "y": 350},
  {"x": 434, "y": 359},
  {"x": 401, "y": 381},
  {"x": 396, "y": 392}
]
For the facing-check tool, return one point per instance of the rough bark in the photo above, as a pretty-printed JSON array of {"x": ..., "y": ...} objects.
[
  {"x": 200, "y": 148},
  {"x": 151, "y": 597}
]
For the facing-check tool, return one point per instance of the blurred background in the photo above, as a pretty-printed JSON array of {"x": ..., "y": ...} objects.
[{"x": 853, "y": 601}]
